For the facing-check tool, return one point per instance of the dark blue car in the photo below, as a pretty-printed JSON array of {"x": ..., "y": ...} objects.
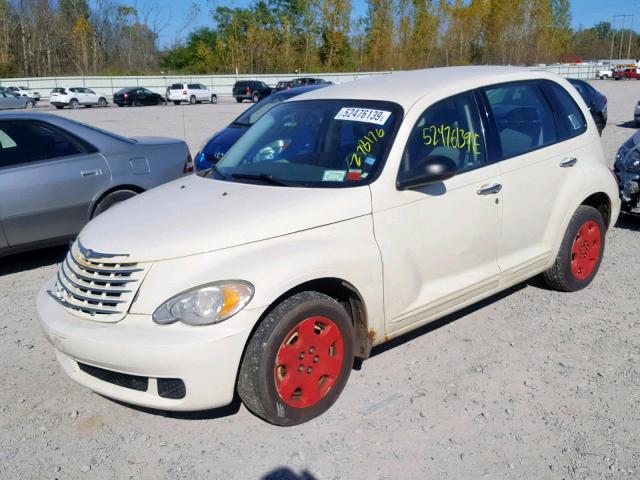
[{"x": 222, "y": 141}]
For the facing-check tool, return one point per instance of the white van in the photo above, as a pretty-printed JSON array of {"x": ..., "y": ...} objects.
[
  {"x": 343, "y": 218},
  {"x": 190, "y": 92}
]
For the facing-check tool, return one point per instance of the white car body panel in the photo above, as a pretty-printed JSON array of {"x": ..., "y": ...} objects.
[{"x": 411, "y": 255}]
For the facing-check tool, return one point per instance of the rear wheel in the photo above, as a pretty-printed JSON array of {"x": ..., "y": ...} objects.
[
  {"x": 111, "y": 200},
  {"x": 74, "y": 103},
  {"x": 192, "y": 100},
  {"x": 580, "y": 253},
  {"x": 298, "y": 360},
  {"x": 59, "y": 107},
  {"x": 238, "y": 99}
]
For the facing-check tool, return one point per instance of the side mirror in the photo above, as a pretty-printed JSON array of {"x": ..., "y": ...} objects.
[{"x": 429, "y": 170}]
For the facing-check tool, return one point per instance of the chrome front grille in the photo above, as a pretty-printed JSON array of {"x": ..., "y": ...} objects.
[{"x": 101, "y": 287}]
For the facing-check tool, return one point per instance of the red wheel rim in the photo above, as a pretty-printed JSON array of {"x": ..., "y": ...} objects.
[
  {"x": 585, "y": 251},
  {"x": 309, "y": 362}
]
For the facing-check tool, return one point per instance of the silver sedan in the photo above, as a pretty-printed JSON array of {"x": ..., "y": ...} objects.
[
  {"x": 9, "y": 100},
  {"x": 56, "y": 174}
]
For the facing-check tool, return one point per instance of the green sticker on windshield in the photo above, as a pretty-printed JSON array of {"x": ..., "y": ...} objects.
[{"x": 334, "y": 175}]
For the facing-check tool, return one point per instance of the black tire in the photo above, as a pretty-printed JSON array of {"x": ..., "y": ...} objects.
[
  {"x": 214, "y": 99},
  {"x": 563, "y": 275},
  {"x": 121, "y": 104},
  {"x": 600, "y": 124},
  {"x": 88, "y": 106},
  {"x": 28, "y": 104},
  {"x": 255, "y": 97},
  {"x": 192, "y": 100},
  {"x": 257, "y": 379},
  {"x": 102, "y": 102},
  {"x": 239, "y": 99},
  {"x": 112, "y": 199},
  {"x": 176, "y": 102},
  {"x": 59, "y": 107},
  {"x": 161, "y": 102},
  {"x": 637, "y": 123},
  {"x": 73, "y": 104}
]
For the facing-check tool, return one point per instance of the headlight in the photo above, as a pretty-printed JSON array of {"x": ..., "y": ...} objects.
[
  {"x": 631, "y": 162},
  {"x": 205, "y": 305}
]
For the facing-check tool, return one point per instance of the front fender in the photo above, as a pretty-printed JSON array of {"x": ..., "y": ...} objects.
[{"x": 346, "y": 250}]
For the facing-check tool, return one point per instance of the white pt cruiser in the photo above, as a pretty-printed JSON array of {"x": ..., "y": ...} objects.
[{"x": 343, "y": 218}]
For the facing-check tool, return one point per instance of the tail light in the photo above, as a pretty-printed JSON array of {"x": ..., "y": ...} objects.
[
  {"x": 188, "y": 165},
  {"x": 126, "y": 95},
  {"x": 184, "y": 92},
  {"x": 248, "y": 90}
]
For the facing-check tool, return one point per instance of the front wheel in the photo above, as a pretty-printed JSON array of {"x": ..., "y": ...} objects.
[
  {"x": 255, "y": 97},
  {"x": 214, "y": 99},
  {"x": 73, "y": 104},
  {"x": 28, "y": 104},
  {"x": 102, "y": 102},
  {"x": 298, "y": 360},
  {"x": 580, "y": 253},
  {"x": 192, "y": 100}
]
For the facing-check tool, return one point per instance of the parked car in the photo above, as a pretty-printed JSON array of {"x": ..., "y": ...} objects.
[
  {"x": 626, "y": 74},
  {"x": 137, "y": 97},
  {"x": 605, "y": 73},
  {"x": 10, "y": 100},
  {"x": 250, "y": 90},
  {"x": 299, "y": 82},
  {"x": 56, "y": 174},
  {"x": 636, "y": 115},
  {"x": 265, "y": 275},
  {"x": 74, "y": 97},
  {"x": 26, "y": 92},
  {"x": 212, "y": 150},
  {"x": 596, "y": 102},
  {"x": 192, "y": 93},
  {"x": 627, "y": 169}
]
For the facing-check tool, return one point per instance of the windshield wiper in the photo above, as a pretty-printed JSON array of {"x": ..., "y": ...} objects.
[
  {"x": 218, "y": 171},
  {"x": 265, "y": 177}
]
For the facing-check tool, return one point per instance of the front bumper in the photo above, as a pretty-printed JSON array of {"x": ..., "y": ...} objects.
[
  {"x": 629, "y": 191},
  {"x": 206, "y": 359}
]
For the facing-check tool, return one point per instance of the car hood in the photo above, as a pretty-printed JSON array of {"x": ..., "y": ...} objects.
[
  {"x": 196, "y": 215},
  {"x": 227, "y": 136}
]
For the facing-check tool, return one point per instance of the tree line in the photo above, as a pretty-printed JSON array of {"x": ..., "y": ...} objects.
[{"x": 57, "y": 37}]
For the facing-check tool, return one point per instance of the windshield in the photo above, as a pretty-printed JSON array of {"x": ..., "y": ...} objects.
[
  {"x": 254, "y": 113},
  {"x": 314, "y": 143}
]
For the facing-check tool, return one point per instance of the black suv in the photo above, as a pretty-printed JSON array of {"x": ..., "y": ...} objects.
[{"x": 250, "y": 90}]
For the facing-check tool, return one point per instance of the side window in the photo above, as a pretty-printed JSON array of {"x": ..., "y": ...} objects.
[
  {"x": 523, "y": 117},
  {"x": 193, "y": 86},
  {"x": 571, "y": 121},
  {"x": 26, "y": 142},
  {"x": 450, "y": 128},
  {"x": 202, "y": 87}
]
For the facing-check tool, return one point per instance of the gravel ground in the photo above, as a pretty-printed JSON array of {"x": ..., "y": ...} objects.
[{"x": 531, "y": 384}]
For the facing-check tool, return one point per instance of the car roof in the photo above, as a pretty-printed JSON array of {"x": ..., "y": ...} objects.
[
  {"x": 406, "y": 88},
  {"x": 295, "y": 91}
]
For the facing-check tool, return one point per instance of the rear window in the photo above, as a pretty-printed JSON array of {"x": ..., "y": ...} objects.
[
  {"x": 176, "y": 86},
  {"x": 58, "y": 90}
]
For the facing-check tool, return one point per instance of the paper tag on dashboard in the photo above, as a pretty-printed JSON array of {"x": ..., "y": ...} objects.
[
  {"x": 334, "y": 175},
  {"x": 366, "y": 115}
]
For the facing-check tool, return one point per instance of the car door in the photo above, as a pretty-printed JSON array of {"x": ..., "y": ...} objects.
[
  {"x": 91, "y": 97},
  {"x": 148, "y": 97},
  {"x": 536, "y": 168},
  {"x": 48, "y": 180},
  {"x": 439, "y": 242},
  {"x": 9, "y": 100}
]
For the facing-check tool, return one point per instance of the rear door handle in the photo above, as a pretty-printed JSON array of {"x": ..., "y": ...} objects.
[
  {"x": 91, "y": 173},
  {"x": 569, "y": 162},
  {"x": 491, "y": 189}
]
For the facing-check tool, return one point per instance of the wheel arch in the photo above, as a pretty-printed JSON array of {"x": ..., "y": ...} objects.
[
  {"x": 344, "y": 293},
  {"x": 99, "y": 197},
  {"x": 601, "y": 202}
]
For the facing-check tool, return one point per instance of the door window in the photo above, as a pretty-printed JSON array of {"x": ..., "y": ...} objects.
[
  {"x": 523, "y": 117},
  {"x": 25, "y": 142},
  {"x": 569, "y": 117},
  {"x": 450, "y": 128}
]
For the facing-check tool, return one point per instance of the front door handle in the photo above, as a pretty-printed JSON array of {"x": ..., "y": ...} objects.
[
  {"x": 569, "y": 162},
  {"x": 491, "y": 189},
  {"x": 91, "y": 173}
]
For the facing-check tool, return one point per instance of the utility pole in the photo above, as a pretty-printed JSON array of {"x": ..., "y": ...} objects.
[
  {"x": 630, "y": 36},
  {"x": 622, "y": 36}
]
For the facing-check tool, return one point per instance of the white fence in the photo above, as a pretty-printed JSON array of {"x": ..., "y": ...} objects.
[{"x": 222, "y": 84}]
